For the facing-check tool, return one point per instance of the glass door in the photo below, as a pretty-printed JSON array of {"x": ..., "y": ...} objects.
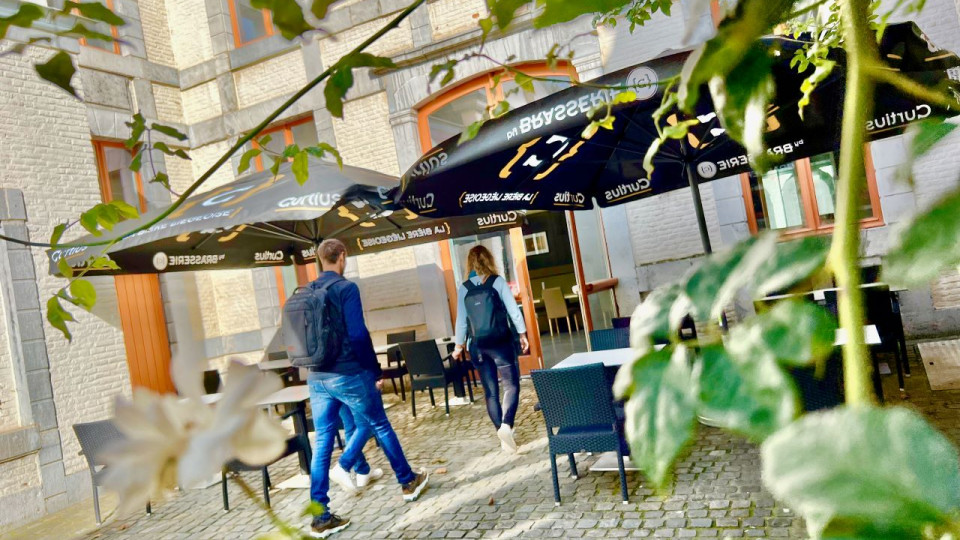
[{"x": 598, "y": 301}]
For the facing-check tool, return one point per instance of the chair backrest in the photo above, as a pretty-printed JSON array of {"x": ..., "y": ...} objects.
[
  {"x": 211, "y": 381},
  {"x": 554, "y": 303},
  {"x": 620, "y": 322},
  {"x": 609, "y": 338},
  {"x": 402, "y": 337},
  {"x": 94, "y": 437},
  {"x": 394, "y": 355},
  {"x": 422, "y": 358},
  {"x": 574, "y": 397}
]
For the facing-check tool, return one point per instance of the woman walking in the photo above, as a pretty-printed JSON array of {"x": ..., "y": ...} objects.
[{"x": 488, "y": 313}]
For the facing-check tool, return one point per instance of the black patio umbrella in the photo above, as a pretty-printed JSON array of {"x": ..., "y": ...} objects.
[
  {"x": 267, "y": 220},
  {"x": 539, "y": 156}
]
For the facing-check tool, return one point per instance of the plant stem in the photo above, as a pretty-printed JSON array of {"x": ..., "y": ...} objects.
[
  {"x": 239, "y": 144},
  {"x": 845, "y": 251},
  {"x": 906, "y": 85}
]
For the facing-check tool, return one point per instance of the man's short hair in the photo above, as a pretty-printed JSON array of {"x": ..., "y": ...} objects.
[{"x": 330, "y": 249}]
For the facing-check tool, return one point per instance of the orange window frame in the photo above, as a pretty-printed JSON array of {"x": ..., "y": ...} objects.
[
  {"x": 494, "y": 94},
  {"x": 113, "y": 32},
  {"x": 285, "y": 129},
  {"x": 103, "y": 175},
  {"x": 235, "y": 24},
  {"x": 808, "y": 199}
]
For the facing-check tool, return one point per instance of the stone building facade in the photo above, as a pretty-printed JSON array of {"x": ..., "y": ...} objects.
[{"x": 188, "y": 63}]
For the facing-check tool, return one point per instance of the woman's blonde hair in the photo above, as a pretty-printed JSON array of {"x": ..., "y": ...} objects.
[{"x": 480, "y": 260}]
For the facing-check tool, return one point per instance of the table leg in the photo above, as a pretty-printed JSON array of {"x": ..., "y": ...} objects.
[{"x": 300, "y": 427}]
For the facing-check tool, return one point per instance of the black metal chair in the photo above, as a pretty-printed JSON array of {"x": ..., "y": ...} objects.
[
  {"x": 577, "y": 406},
  {"x": 395, "y": 372},
  {"x": 428, "y": 371},
  {"x": 94, "y": 438},
  {"x": 297, "y": 444},
  {"x": 609, "y": 338},
  {"x": 211, "y": 381},
  {"x": 879, "y": 305},
  {"x": 396, "y": 338}
]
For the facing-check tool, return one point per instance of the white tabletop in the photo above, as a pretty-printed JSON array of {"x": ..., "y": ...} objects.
[
  {"x": 871, "y": 336},
  {"x": 609, "y": 358},
  {"x": 290, "y": 394},
  {"x": 382, "y": 349}
]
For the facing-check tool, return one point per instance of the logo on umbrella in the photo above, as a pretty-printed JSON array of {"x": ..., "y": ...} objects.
[
  {"x": 644, "y": 80},
  {"x": 707, "y": 169},
  {"x": 160, "y": 261}
]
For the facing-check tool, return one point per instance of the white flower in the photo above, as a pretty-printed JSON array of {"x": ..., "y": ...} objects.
[{"x": 175, "y": 440}]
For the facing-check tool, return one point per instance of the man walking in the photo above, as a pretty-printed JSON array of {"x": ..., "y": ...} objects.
[{"x": 352, "y": 382}]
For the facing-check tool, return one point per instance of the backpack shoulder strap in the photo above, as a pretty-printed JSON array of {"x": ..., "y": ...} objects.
[
  {"x": 470, "y": 285},
  {"x": 490, "y": 281},
  {"x": 326, "y": 286}
]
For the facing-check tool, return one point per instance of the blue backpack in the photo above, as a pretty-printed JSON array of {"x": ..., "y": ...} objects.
[
  {"x": 486, "y": 315},
  {"x": 314, "y": 331}
]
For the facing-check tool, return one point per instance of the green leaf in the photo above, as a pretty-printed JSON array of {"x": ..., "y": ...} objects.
[
  {"x": 742, "y": 102},
  {"x": 125, "y": 209},
  {"x": 886, "y": 468},
  {"x": 169, "y": 131},
  {"x": 651, "y": 154},
  {"x": 722, "y": 55},
  {"x": 504, "y": 12},
  {"x": 162, "y": 179},
  {"x": 486, "y": 26},
  {"x": 661, "y": 410},
  {"x": 264, "y": 141},
  {"x": 500, "y": 109},
  {"x": 287, "y": 16},
  {"x": 162, "y": 146},
  {"x": 313, "y": 509},
  {"x": 137, "y": 127},
  {"x": 102, "y": 262},
  {"x": 137, "y": 162},
  {"x": 714, "y": 284},
  {"x": 794, "y": 333},
  {"x": 927, "y": 246},
  {"x": 333, "y": 151},
  {"x": 290, "y": 151},
  {"x": 336, "y": 89},
  {"x": 80, "y": 30},
  {"x": 319, "y": 8},
  {"x": 470, "y": 132},
  {"x": 95, "y": 11},
  {"x": 558, "y": 11},
  {"x": 922, "y": 136},
  {"x": 275, "y": 168},
  {"x": 59, "y": 317},
  {"x": 300, "y": 167},
  {"x": 83, "y": 293},
  {"x": 448, "y": 70},
  {"x": 64, "y": 268},
  {"x": 108, "y": 216},
  {"x": 789, "y": 264},
  {"x": 57, "y": 233},
  {"x": 652, "y": 321},
  {"x": 679, "y": 130},
  {"x": 89, "y": 219},
  {"x": 24, "y": 17},
  {"x": 524, "y": 81},
  {"x": 752, "y": 396},
  {"x": 58, "y": 70},
  {"x": 821, "y": 71},
  {"x": 246, "y": 158}
]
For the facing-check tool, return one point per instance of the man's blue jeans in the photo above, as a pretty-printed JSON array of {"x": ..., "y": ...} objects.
[
  {"x": 349, "y": 427},
  {"x": 329, "y": 393}
]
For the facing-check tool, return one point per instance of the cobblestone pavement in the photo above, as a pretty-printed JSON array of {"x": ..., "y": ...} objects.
[{"x": 476, "y": 491}]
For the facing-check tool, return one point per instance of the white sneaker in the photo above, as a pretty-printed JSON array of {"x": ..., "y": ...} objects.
[
  {"x": 363, "y": 480},
  {"x": 339, "y": 475},
  {"x": 506, "y": 438}
]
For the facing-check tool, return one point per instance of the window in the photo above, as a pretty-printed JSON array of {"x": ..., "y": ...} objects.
[
  {"x": 799, "y": 198},
  {"x": 303, "y": 132},
  {"x": 249, "y": 23},
  {"x": 102, "y": 28},
  {"x": 536, "y": 243},
  {"x": 117, "y": 181},
  {"x": 452, "y": 112}
]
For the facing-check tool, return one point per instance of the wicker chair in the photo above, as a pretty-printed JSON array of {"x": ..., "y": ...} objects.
[
  {"x": 394, "y": 372},
  {"x": 428, "y": 371},
  {"x": 609, "y": 338},
  {"x": 577, "y": 406},
  {"x": 94, "y": 438}
]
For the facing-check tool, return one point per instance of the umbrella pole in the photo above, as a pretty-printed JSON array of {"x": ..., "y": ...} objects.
[{"x": 698, "y": 208}]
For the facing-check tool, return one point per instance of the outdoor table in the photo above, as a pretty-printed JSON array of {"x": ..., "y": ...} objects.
[{"x": 291, "y": 396}]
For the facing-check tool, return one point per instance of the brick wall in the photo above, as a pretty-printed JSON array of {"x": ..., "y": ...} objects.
[
  {"x": 45, "y": 142},
  {"x": 364, "y": 136},
  {"x": 397, "y": 40},
  {"x": 9, "y": 416},
  {"x": 204, "y": 157},
  {"x": 389, "y": 279},
  {"x": 275, "y": 77},
  {"x": 156, "y": 32},
  {"x": 20, "y": 494},
  {"x": 169, "y": 106},
  {"x": 180, "y": 172},
  {"x": 189, "y": 32},
  {"x": 946, "y": 291},
  {"x": 665, "y": 227},
  {"x": 202, "y": 102},
  {"x": 452, "y": 17}
]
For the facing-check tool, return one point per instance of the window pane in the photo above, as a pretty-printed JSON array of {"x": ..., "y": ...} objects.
[
  {"x": 517, "y": 97},
  {"x": 122, "y": 181},
  {"x": 824, "y": 171},
  {"x": 101, "y": 28},
  {"x": 289, "y": 280},
  {"x": 454, "y": 117},
  {"x": 305, "y": 134},
  {"x": 776, "y": 198},
  {"x": 249, "y": 21},
  {"x": 278, "y": 142}
]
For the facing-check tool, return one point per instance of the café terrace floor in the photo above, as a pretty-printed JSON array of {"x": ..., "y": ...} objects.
[{"x": 476, "y": 491}]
